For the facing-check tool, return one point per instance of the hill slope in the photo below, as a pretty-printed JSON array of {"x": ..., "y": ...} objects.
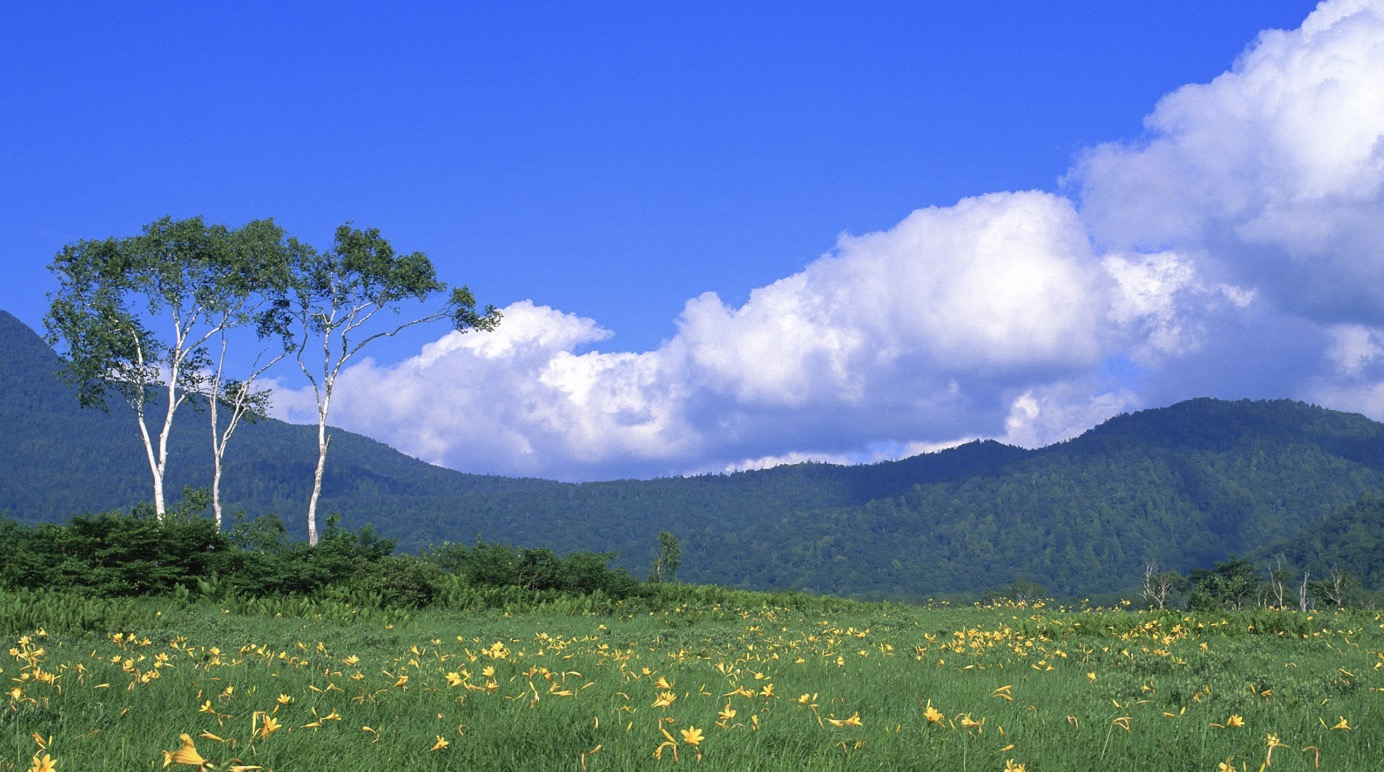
[
  {"x": 1184, "y": 485},
  {"x": 57, "y": 459}
]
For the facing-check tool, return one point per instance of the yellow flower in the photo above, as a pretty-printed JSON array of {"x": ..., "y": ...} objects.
[
  {"x": 44, "y": 764},
  {"x": 1234, "y": 721},
  {"x": 268, "y": 726},
  {"x": 969, "y": 723},
  {"x": 1091, "y": 676},
  {"x": 440, "y": 744},
  {"x": 1010, "y": 766},
  {"x": 665, "y": 699},
  {"x": 853, "y": 721},
  {"x": 1274, "y": 742},
  {"x": 454, "y": 679},
  {"x": 692, "y": 735},
  {"x": 185, "y": 755},
  {"x": 933, "y": 715},
  {"x": 727, "y": 713},
  {"x": 1342, "y": 724},
  {"x": 662, "y": 683},
  {"x": 284, "y": 699}
]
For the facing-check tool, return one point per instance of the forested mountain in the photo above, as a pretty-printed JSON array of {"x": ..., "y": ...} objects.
[
  {"x": 1184, "y": 486},
  {"x": 57, "y": 459}
]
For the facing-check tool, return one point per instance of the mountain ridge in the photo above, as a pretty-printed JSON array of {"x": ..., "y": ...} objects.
[{"x": 1183, "y": 485}]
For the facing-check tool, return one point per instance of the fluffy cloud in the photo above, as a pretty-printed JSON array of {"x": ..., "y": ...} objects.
[
  {"x": 894, "y": 337},
  {"x": 1273, "y": 172},
  {"x": 1232, "y": 251},
  {"x": 521, "y": 401},
  {"x": 999, "y": 286},
  {"x": 1252, "y": 214}
]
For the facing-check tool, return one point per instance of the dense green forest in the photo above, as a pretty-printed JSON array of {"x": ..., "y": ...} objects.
[{"x": 1183, "y": 487}]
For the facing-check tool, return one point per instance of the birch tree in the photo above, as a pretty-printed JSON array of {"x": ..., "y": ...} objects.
[
  {"x": 182, "y": 276},
  {"x": 353, "y": 295},
  {"x": 261, "y": 283}
]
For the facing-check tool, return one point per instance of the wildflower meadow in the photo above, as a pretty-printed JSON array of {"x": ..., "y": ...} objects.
[{"x": 704, "y": 677}]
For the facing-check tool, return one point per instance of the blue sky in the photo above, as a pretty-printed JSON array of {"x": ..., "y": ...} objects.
[{"x": 921, "y": 222}]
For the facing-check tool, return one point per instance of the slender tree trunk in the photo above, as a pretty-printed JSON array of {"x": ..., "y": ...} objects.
[
  {"x": 155, "y": 468},
  {"x": 160, "y": 506},
  {"x": 324, "y": 441},
  {"x": 218, "y": 450},
  {"x": 157, "y": 458}
]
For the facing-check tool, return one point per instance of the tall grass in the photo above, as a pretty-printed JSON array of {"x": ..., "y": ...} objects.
[{"x": 757, "y": 681}]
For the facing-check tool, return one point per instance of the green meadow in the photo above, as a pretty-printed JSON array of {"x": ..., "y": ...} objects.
[{"x": 694, "y": 677}]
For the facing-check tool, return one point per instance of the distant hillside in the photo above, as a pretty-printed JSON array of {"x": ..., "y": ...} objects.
[
  {"x": 1184, "y": 485},
  {"x": 1350, "y": 539},
  {"x": 57, "y": 459}
]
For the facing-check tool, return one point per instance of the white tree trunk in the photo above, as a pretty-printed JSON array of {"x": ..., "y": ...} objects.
[
  {"x": 324, "y": 441},
  {"x": 218, "y": 450}
]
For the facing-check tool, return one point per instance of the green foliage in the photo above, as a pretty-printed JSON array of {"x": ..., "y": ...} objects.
[
  {"x": 667, "y": 558},
  {"x": 494, "y": 565},
  {"x": 128, "y": 554},
  {"x": 398, "y": 581},
  {"x": 1182, "y": 487},
  {"x": 1230, "y": 585},
  {"x": 61, "y": 611},
  {"x": 1018, "y": 591},
  {"x": 114, "y": 554},
  {"x": 1349, "y": 539},
  {"x": 135, "y": 315},
  {"x": 332, "y": 299}
]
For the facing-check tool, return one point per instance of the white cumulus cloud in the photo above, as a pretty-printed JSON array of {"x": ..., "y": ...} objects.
[{"x": 1233, "y": 250}]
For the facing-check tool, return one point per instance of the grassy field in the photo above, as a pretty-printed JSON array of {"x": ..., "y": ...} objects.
[{"x": 749, "y": 682}]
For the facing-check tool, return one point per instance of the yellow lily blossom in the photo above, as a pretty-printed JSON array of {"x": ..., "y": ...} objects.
[
  {"x": 440, "y": 744},
  {"x": 1234, "y": 721},
  {"x": 692, "y": 736},
  {"x": 853, "y": 721},
  {"x": 1342, "y": 724},
  {"x": 268, "y": 725},
  {"x": 185, "y": 755},
  {"x": 44, "y": 764},
  {"x": 933, "y": 715}
]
